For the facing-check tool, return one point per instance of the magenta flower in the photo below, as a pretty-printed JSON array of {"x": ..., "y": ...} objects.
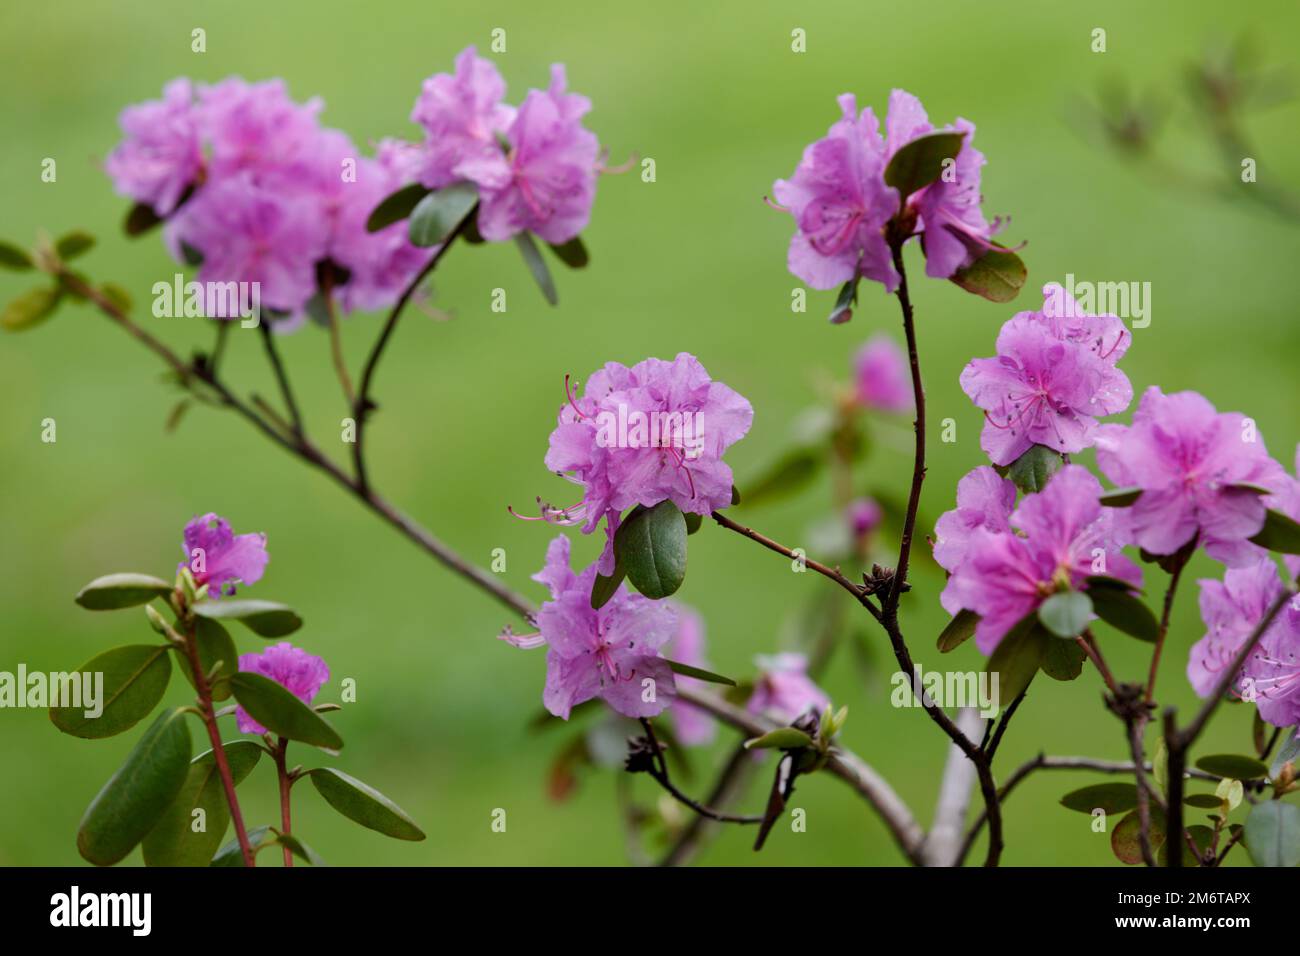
[
  {"x": 864, "y": 516},
  {"x": 218, "y": 558},
  {"x": 463, "y": 117},
  {"x": 784, "y": 691},
  {"x": 545, "y": 182},
  {"x": 985, "y": 501},
  {"x": 611, "y": 653},
  {"x": 302, "y": 674},
  {"x": 1047, "y": 385},
  {"x": 694, "y": 727},
  {"x": 1287, "y": 500},
  {"x": 841, "y": 204},
  {"x": 646, "y": 434},
  {"x": 161, "y": 155},
  {"x": 882, "y": 376},
  {"x": 1066, "y": 537},
  {"x": 1189, "y": 460}
]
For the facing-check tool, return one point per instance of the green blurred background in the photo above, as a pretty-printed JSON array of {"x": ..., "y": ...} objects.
[{"x": 694, "y": 261}]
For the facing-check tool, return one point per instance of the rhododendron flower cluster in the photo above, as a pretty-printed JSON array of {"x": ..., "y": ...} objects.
[
  {"x": 1058, "y": 539},
  {"x": 841, "y": 203},
  {"x": 619, "y": 466},
  {"x": 299, "y": 672},
  {"x": 1200, "y": 472},
  {"x": 1053, "y": 376},
  {"x": 218, "y": 558},
  {"x": 612, "y": 653}
]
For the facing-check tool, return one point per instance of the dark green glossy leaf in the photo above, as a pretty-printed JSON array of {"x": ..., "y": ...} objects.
[
  {"x": 541, "y": 272},
  {"x": 693, "y": 522},
  {"x": 440, "y": 213},
  {"x": 1063, "y": 660},
  {"x": 1125, "y": 612},
  {"x": 277, "y": 709},
  {"x": 29, "y": 309},
  {"x": 959, "y": 629},
  {"x": 214, "y": 644},
  {"x": 173, "y": 841},
  {"x": 699, "y": 673},
  {"x": 844, "y": 303},
  {"x": 1066, "y": 613},
  {"x": 15, "y": 258},
  {"x": 1233, "y": 766},
  {"x": 1017, "y": 658},
  {"x": 921, "y": 162},
  {"x": 1110, "y": 797},
  {"x": 1280, "y": 533},
  {"x": 135, "y": 678},
  {"x": 264, "y": 618},
  {"x": 363, "y": 804},
  {"x": 998, "y": 275},
  {"x": 231, "y": 855},
  {"x": 395, "y": 207},
  {"x": 140, "y": 218},
  {"x": 299, "y": 849},
  {"x": 1203, "y": 801},
  {"x": 1121, "y": 497},
  {"x": 74, "y": 244},
  {"x": 114, "y": 591},
  {"x": 651, "y": 547},
  {"x": 1273, "y": 834},
  {"x": 1034, "y": 469},
  {"x": 572, "y": 253},
  {"x": 605, "y": 587},
  {"x": 129, "y": 805},
  {"x": 783, "y": 738}
]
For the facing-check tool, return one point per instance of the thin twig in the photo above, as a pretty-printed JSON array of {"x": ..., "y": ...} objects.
[{"x": 661, "y": 776}]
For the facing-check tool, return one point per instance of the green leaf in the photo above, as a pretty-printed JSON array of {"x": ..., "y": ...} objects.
[
  {"x": 1126, "y": 840},
  {"x": 14, "y": 258},
  {"x": 263, "y": 618},
  {"x": 129, "y": 805},
  {"x": 299, "y": 849},
  {"x": 1273, "y": 834},
  {"x": 74, "y": 244},
  {"x": 537, "y": 266},
  {"x": 395, "y": 207},
  {"x": 572, "y": 253},
  {"x": 364, "y": 804},
  {"x": 844, "y": 303},
  {"x": 440, "y": 213},
  {"x": 1110, "y": 797},
  {"x": 119, "y": 297},
  {"x": 1034, "y": 469},
  {"x": 231, "y": 855},
  {"x": 651, "y": 547},
  {"x": 791, "y": 472},
  {"x": 1289, "y": 752},
  {"x": 998, "y": 276},
  {"x": 693, "y": 522},
  {"x": 214, "y": 644},
  {"x": 1121, "y": 497},
  {"x": 277, "y": 709},
  {"x": 1017, "y": 658},
  {"x": 1066, "y": 613},
  {"x": 191, "y": 255},
  {"x": 114, "y": 591},
  {"x": 921, "y": 162},
  {"x": 29, "y": 310},
  {"x": 1280, "y": 533},
  {"x": 1125, "y": 612},
  {"x": 173, "y": 840},
  {"x": 1063, "y": 660},
  {"x": 605, "y": 587},
  {"x": 699, "y": 673},
  {"x": 140, "y": 218},
  {"x": 134, "y": 680},
  {"x": 783, "y": 738},
  {"x": 1233, "y": 765},
  {"x": 1203, "y": 801},
  {"x": 959, "y": 629}
]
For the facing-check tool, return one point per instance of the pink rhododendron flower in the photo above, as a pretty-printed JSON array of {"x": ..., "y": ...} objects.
[
  {"x": 882, "y": 376},
  {"x": 463, "y": 116},
  {"x": 1066, "y": 537},
  {"x": 161, "y": 155},
  {"x": 1188, "y": 459},
  {"x": 257, "y": 128},
  {"x": 646, "y": 434},
  {"x": 784, "y": 691},
  {"x": 1287, "y": 500},
  {"x": 985, "y": 501},
  {"x": 302, "y": 674},
  {"x": 1047, "y": 385},
  {"x": 218, "y": 558},
  {"x": 841, "y": 204},
  {"x": 694, "y": 727},
  {"x": 611, "y": 653},
  {"x": 864, "y": 516}
]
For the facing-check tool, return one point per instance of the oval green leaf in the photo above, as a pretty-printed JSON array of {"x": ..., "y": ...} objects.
[
  {"x": 134, "y": 679},
  {"x": 783, "y": 738},
  {"x": 1125, "y": 612},
  {"x": 959, "y": 629},
  {"x": 263, "y": 618},
  {"x": 14, "y": 258},
  {"x": 214, "y": 644},
  {"x": 395, "y": 207},
  {"x": 1273, "y": 834},
  {"x": 537, "y": 266},
  {"x": 1066, "y": 614},
  {"x": 74, "y": 244},
  {"x": 277, "y": 709},
  {"x": 134, "y": 798},
  {"x": 440, "y": 213},
  {"x": 173, "y": 840},
  {"x": 114, "y": 591},
  {"x": 1233, "y": 766},
  {"x": 572, "y": 253},
  {"x": 1126, "y": 840},
  {"x": 364, "y": 804},
  {"x": 1110, "y": 797},
  {"x": 1280, "y": 533},
  {"x": 231, "y": 855},
  {"x": 1063, "y": 660},
  {"x": 29, "y": 309},
  {"x": 921, "y": 162},
  {"x": 998, "y": 276},
  {"x": 1288, "y": 752},
  {"x": 1203, "y": 801},
  {"x": 1034, "y": 469},
  {"x": 1017, "y": 659},
  {"x": 651, "y": 547}
]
